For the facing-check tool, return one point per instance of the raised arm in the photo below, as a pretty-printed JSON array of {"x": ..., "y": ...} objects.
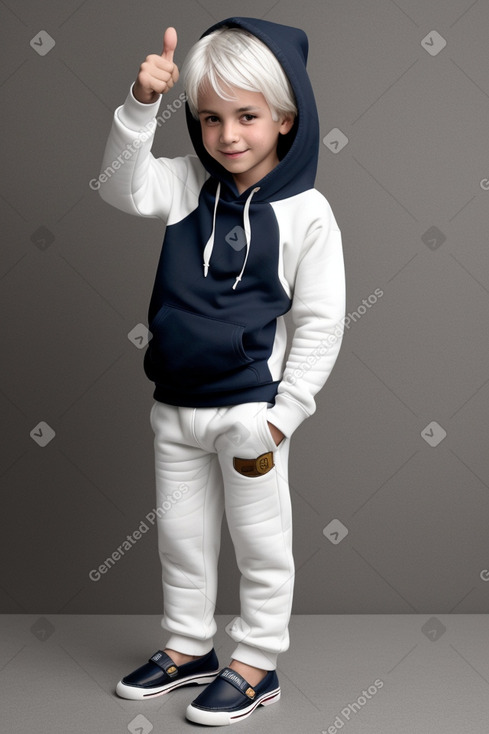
[{"x": 131, "y": 178}]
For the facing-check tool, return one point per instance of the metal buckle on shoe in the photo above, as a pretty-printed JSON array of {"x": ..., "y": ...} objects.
[
  {"x": 250, "y": 693},
  {"x": 165, "y": 662}
]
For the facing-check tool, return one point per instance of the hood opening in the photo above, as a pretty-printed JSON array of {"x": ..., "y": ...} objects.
[{"x": 297, "y": 150}]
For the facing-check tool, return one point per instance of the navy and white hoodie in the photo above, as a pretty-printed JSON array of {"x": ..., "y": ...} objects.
[{"x": 233, "y": 264}]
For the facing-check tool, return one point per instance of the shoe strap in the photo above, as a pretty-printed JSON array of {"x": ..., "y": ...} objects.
[
  {"x": 165, "y": 662},
  {"x": 236, "y": 680}
]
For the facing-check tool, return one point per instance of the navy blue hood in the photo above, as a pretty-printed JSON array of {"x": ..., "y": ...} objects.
[{"x": 296, "y": 171}]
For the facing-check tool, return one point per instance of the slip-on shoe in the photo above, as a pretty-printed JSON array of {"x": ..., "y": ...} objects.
[
  {"x": 160, "y": 675},
  {"x": 230, "y": 698}
]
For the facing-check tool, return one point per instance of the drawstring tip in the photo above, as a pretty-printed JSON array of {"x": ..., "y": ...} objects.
[
  {"x": 236, "y": 282},
  {"x": 206, "y": 270}
]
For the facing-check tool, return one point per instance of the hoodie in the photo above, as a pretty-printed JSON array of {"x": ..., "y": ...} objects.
[{"x": 232, "y": 265}]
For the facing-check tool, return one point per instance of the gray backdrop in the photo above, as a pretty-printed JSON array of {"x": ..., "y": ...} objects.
[{"x": 390, "y": 477}]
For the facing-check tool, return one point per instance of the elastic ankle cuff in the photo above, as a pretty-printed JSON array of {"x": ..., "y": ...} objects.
[{"x": 255, "y": 657}]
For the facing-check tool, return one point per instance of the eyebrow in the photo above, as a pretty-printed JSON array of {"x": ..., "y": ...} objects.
[{"x": 250, "y": 108}]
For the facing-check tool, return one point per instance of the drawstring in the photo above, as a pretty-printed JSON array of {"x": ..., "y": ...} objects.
[
  {"x": 210, "y": 242},
  {"x": 247, "y": 230}
]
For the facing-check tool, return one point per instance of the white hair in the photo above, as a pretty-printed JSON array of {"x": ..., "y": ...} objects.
[{"x": 233, "y": 57}]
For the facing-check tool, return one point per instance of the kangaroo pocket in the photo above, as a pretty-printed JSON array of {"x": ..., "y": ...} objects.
[{"x": 193, "y": 349}]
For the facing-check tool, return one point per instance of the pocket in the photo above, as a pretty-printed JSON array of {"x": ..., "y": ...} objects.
[
  {"x": 193, "y": 347},
  {"x": 264, "y": 430}
]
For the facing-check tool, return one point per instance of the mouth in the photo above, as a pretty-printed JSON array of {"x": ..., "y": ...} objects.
[{"x": 232, "y": 154}]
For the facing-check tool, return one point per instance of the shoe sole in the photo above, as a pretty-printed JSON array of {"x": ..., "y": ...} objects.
[
  {"x": 135, "y": 693},
  {"x": 223, "y": 718}
]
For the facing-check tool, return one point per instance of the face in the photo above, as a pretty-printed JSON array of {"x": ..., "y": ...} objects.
[{"x": 241, "y": 135}]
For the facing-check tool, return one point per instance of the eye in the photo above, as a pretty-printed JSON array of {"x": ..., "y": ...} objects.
[
  {"x": 248, "y": 117},
  {"x": 211, "y": 120}
]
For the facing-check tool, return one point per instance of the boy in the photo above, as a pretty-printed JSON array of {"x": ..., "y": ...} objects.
[{"x": 247, "y": 239}]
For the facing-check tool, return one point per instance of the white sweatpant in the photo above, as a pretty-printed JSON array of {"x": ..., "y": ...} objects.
[{"x": 194, "y": 450}]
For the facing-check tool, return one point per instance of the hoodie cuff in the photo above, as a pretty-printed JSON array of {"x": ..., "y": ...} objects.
[
  {"x": 286, "y": 415},
  {"x": 134, "y": 114}
]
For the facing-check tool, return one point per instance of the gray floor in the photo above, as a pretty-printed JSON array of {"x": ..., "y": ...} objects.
[{"x": 388, "y": 674}]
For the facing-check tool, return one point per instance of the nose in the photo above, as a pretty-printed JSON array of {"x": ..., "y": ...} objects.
[{"x": 229, "y": 133}]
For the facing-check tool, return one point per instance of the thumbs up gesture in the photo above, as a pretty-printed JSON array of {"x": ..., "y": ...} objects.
[{"x": 157, "y": 74}]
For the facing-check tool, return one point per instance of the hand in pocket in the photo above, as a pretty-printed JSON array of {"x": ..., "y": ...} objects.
[{"x": 277, "y": 434}]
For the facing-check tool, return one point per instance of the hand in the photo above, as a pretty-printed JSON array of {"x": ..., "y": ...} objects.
[
  {"x": 277, "y": 434},
  {"x": 157, "y": 74}
]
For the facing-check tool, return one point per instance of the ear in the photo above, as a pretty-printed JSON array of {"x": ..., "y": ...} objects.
[{"x": 286, "y": 124}]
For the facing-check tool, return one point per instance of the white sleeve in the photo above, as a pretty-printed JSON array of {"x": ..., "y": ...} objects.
[
  {"x": 136, "y": 182},
  {"x": 318, "y": 311}
]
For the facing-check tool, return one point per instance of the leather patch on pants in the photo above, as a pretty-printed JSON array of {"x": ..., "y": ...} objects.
[{"x": 254, "y": 467}]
